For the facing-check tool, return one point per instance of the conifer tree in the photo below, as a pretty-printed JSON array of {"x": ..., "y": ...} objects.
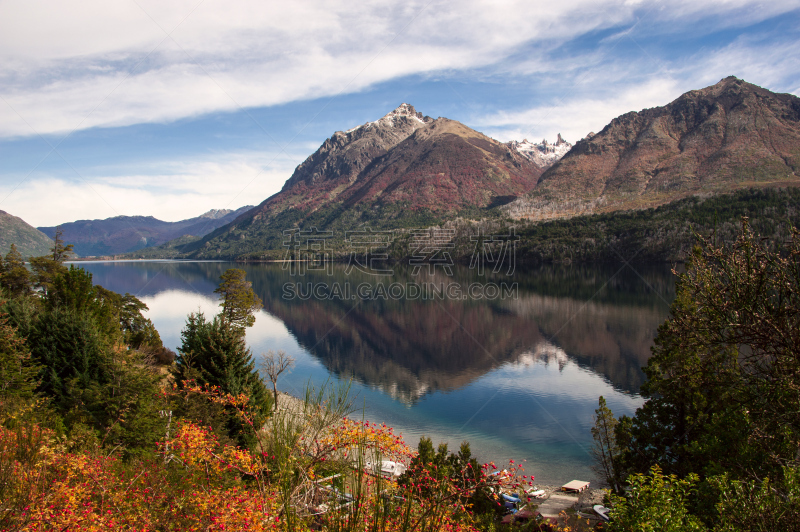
[
  {"x": 61, "y": 251},
  {"x": 214, "y": 353},
  {"x": 72, "y": 354},
  {"x": 239, "y": 301},
  {"x": 606, "y": 451},
  {"x": 17, "y": 371},
  {"x": 14, "y": 276}
]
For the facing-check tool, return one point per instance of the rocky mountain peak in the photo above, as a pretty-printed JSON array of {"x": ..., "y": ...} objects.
[
  {"x": 215, "y": 214},
  {"x": 403, "y": 117},
  {"x": 346, "y": 153},
  {"x": 543, "y": 154},
  {"x": 732, "y": 134},
  {"x": 405, "y": 109}
]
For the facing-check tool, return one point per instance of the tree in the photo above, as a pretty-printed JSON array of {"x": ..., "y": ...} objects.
[
  {"x": 14, "y": 276},
  {"x": 17, "y": 371},
  {"x": 606, "y": 451},
  {"x": 239, "y": 301},
  {"x": 214, "y": 353},
  {"x": 655, "y": 503},
  {"x": 723, "y": 383},
  {"x": 60, "y": 251},
  {"x": 73, "y": 356},
  {"x": 273, "y": 365}
]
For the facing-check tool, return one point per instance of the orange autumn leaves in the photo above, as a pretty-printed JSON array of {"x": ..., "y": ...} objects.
[
  {"x": 92, "y": 491},
  {"x": 193, "y": 482}
]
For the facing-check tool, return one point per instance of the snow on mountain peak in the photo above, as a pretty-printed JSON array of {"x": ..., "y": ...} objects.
[
  {"x": 544, "y": 153},
  {"x": 215, "y": 214},
  {"x": 403, "y": 114}
]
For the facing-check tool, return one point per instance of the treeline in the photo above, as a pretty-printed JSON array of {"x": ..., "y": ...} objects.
[
  {"x": 98, "y": 366},
  {"x": 663, "y": 234}
]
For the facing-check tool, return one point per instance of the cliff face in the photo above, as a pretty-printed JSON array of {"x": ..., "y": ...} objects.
[{"x": 727, "y": 136}]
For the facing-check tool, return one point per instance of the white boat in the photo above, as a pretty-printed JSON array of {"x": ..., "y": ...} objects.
[
  {"x": 388, "y": 468},
  {"x": 602, "y": 511}
]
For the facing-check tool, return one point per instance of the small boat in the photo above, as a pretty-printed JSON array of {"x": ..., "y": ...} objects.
[
  {"x": 602, "y": 511},
  {"x": 387, "y": 468},
  {"x": 535, "y": 493}
]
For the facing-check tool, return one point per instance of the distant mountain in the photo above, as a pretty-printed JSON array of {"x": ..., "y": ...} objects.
[
  {"x": 405, "y": 169},
  {"x": 543, "y": 154},
  {"x": 122, "y": 234},
  {"x": 30, "y": 241},
  {"x": 728, "y": 136}
]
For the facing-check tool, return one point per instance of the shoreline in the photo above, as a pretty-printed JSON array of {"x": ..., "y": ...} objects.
[{"x": 590, "y": 496}]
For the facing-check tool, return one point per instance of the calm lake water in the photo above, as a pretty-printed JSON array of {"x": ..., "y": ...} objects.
[{"x": 514, "y": 364}]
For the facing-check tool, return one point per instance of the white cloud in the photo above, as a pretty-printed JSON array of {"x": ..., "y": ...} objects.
[
  {"x": 575, "y": 117},
  {"x": 603, "y": 90},
  {"x": 67, "y": 66},
  {"x": 168, "y": 191}
]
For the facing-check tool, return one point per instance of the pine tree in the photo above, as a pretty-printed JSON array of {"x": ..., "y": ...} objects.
[
  {"x": 14, "y": 276},
  {"x": 239, "y": 301},
  {"x": 46, "y": 268},
  {"x": 17, "y": 371},
  {"x": 214, "y": 353},
  {"x": 606, "y": 451}
]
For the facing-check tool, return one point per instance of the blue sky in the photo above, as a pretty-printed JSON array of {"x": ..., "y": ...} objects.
[{"x": 169, "y": 109}]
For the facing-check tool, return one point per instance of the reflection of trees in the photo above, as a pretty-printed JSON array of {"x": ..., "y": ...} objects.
[
  {"x": 612, "y": 340},
  {"x": 409, "y": 350},
  {"x": 143, "y": 278},
  {"x": 602, "y": 318}
]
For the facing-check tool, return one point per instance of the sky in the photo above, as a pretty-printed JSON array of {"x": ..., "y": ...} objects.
[{"x": 169, "y": 109}]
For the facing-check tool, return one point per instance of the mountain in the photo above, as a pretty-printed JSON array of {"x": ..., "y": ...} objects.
[
  {"x": 410, "y": 159},
  {"x": 30, "y": 241},
  {"x": 403, "y": 170},
  {"x": 727, "y": 136},
  {"x": 543, "y": 154},
  {"x": 122, "y": 234}
]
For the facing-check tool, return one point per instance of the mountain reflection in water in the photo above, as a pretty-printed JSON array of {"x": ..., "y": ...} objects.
[{"x": 432, "y": 366}]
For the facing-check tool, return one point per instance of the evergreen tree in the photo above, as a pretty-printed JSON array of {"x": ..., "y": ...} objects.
[
  {"x": 138, "y": 331},
  {"x": 47, "y": 267},
  {"x": 14, "y": 276},
  {"x": 73, "y": 357},
  {"x": 214, "y": 353},
  {"x": 722, "y": 389},
  {"x": 61, "y": 252},
  {"x": 92, "y": 382},
  {"x": 606, "y": 451},
  {"x": 239, "y": 301},
  {"x": 18, "y": 373}
]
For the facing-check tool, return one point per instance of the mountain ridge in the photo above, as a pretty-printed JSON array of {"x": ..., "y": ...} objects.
[
  {"x": 730, "y": 135},
  {"x": 407, "y": 170},
  {"x": 402, "y": 169},
  {"x": 124, "y": 234},
  {"x": 30, "y": 241}
]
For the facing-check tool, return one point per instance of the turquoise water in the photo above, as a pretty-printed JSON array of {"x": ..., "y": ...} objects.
[{"x": 515, "y": 368}]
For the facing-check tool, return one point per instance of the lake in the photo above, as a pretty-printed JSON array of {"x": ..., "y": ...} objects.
[{"x": 513, "y": 362}]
